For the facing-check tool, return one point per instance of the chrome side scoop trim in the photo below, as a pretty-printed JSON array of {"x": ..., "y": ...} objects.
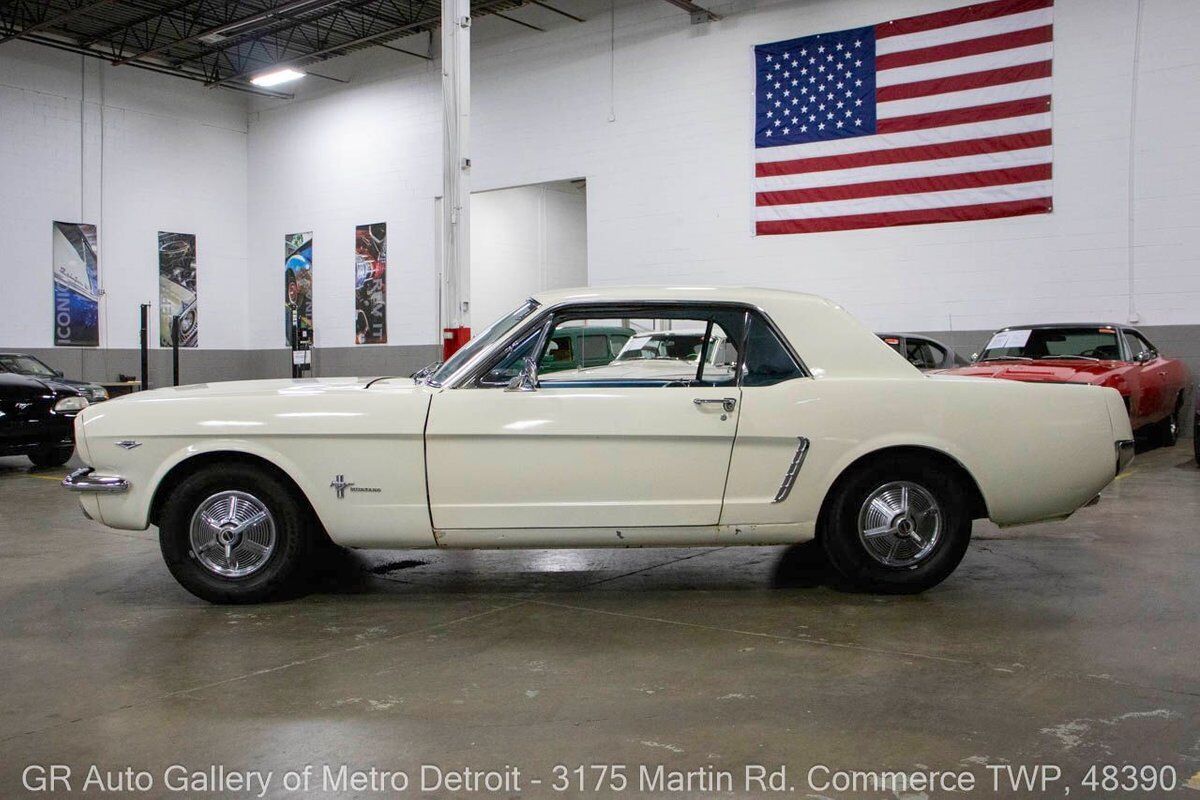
[{"x": 789, "y": 478}]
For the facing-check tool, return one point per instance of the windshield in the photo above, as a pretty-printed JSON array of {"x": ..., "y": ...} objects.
[
  {"x": 1048, "y": 343},
  {"x": 670, "y": 345},
  {"x": 26, "y": 365},
  {"x": 493, "y": 333}
]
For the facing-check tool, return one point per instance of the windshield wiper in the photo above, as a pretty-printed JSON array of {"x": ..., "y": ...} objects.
[
  {"x": 1004, "y": 358},
  {"x": 1068, "y": 355}
]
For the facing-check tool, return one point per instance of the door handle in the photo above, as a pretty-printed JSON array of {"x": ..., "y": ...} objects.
[{"x": 726, "y": 403}]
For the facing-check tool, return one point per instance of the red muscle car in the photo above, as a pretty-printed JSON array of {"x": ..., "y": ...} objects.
[{"x": 1105, "y": 355}]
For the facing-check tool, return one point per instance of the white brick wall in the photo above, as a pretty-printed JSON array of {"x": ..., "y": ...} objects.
[
  {"x": 669, "y": 195},
  {"x": 174, "y": 158},
  {"x": 669, "y": 181}
]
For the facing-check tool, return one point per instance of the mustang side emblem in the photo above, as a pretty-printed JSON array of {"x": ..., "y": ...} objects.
[
  {"x": 340, "y": 486},
  {"x": 23, "y": 406},
  {"x": 128, "y": 444}
]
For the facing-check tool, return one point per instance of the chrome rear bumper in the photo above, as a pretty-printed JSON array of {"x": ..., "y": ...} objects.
[
  {"x": 82, "y": 480},
  {"x": 1124, "y": 454}
]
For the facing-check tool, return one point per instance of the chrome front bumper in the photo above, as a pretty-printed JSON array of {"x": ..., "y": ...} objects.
[
  {"x": 82, "y": 480},
  {"x": 1124, "y": 454}
]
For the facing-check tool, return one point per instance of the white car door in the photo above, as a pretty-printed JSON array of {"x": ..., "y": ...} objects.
[{"x": 584, "y": 449}]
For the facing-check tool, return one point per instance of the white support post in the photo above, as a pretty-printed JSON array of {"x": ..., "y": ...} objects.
[{"x": 456, "y": 173}]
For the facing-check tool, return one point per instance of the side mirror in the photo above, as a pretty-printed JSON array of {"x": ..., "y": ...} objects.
[
  {"x": 58, "y": 373},
  {"x": 1143, "y": 357},
  {"x": 526, "y": 380},
  {"x": 974, "y": 356}
]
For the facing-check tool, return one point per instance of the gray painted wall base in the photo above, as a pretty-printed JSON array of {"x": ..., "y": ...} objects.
[
  {"x": 205, "y": 366},
  {"x": 201, "y": 366}
]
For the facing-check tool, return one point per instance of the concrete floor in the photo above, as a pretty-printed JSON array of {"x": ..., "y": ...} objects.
[{"x": 1071, "y": 644}]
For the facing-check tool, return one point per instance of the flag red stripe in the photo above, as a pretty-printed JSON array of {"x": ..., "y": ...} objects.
[
  {"x": 959, "y": 116},
  {"x": 957, "y": 16},
  {"x": 931, "y": 183},
  {"x": 959, "y": 83},
  {"x": 1012, "y": 208},
  {"x": 898, "y": 155},
  {"x": 968, "y": 47}
]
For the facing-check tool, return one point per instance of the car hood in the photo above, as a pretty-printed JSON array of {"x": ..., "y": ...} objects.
[
  {"x": 275, "y": 387},
  {"x": 1046, "y": 371},
  {"x": 18, "y": 387}
]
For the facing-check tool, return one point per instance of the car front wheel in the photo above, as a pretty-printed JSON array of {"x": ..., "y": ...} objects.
[
  {"x": 897, "y": 526},
  {"x": 51, "y": 457},
  {"x": 236, "y": 534}
]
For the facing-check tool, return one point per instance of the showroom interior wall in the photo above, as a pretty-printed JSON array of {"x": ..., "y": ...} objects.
[
  {"x": 655, "y": 113},
  {"x": 659, "y": 124},
  {"x": 523, "y": 240},
  {"x": 133, "y": 153}
]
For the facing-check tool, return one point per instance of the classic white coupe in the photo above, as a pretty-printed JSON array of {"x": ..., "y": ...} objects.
[{"x": 821, "y": 431}]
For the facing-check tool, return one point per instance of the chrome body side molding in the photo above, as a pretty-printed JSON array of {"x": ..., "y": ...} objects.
[{"x": 82, "y": 480}]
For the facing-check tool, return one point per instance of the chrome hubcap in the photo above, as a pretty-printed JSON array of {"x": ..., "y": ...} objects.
[
  {"x": 232, "y": 534},
  {"x": 900, "y": 524}
]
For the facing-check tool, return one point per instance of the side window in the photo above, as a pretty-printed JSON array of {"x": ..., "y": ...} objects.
[
  {"x": 677, "y": 348},
  {"x": 595, "y": 349},
  {"x": 922, "y": 355},
  {"x": 1138, "y": 344},
  {"x": 767, "y": 360},
  {"x": 937, "y": 355},
  {"x": 511, "y": 361}
]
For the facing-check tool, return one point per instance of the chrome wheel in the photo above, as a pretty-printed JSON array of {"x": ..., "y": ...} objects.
[
  {"x": 232, "y": 534},
  {"x": 900, "y": 524}
]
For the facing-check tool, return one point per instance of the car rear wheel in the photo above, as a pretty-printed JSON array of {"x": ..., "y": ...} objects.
[
  {"x": 897, "y": 526},
  {"x": 236, "y": 534},
  {"x": 51, "y": 456},
  {"x": 1168, "y": 429}
]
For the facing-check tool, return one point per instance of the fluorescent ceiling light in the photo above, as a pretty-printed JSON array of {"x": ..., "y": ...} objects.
[{"x": 277, "y": 77}]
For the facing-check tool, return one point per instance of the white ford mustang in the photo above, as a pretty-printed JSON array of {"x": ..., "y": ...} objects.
[{"x": 820, "y": 430}]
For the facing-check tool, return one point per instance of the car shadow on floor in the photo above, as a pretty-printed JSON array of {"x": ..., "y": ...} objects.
[{"x": 342, "y": 571}]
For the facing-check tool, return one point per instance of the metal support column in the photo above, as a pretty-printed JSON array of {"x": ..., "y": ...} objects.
[{"x": 456, "y": 172}]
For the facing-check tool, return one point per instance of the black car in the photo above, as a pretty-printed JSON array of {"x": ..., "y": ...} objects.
[
  {"x": 38, "y": 420},
  {"x": 922, "y": 352},
  {"x": 25, "y": 364}
]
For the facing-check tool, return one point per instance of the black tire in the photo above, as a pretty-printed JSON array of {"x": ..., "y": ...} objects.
[
  {"x": 1167, "y": 431},
  {"x": 1196, "y": 439},
  {"x": 52, "y": 457},
  {"x": 848, "y": 552},
  {"x": 280, "y": 575}
]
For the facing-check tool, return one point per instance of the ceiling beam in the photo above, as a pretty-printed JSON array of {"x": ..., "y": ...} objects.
[
  {"x": 698, "y": 14},
  {"x": 265, "y": 15},
  {"x": 549, "y": 7},
  {"x": 390, "y": 33},
  {"x": 50, "y": 22},
  {"x": 518, "y": 21}
]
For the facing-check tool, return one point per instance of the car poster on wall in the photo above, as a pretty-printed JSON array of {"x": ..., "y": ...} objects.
[
  {"x": 76, "y": 285},
  {"x": 370, "y": 284},
  {"x": 297, "y": 286},
  {"x": 177, "y": 288}
]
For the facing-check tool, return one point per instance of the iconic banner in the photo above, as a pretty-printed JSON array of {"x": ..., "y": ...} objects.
[
  {"x": 942, "y": 117},
  {"x": 370, "y": 284},
  {"x": 177, "y": 287},
  {"x": 297, "y": 287},
  {"x": 76, "y": 285}
]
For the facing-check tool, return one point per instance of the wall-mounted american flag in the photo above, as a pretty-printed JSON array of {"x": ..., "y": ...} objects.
[{"x": 941, "y": 117}]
